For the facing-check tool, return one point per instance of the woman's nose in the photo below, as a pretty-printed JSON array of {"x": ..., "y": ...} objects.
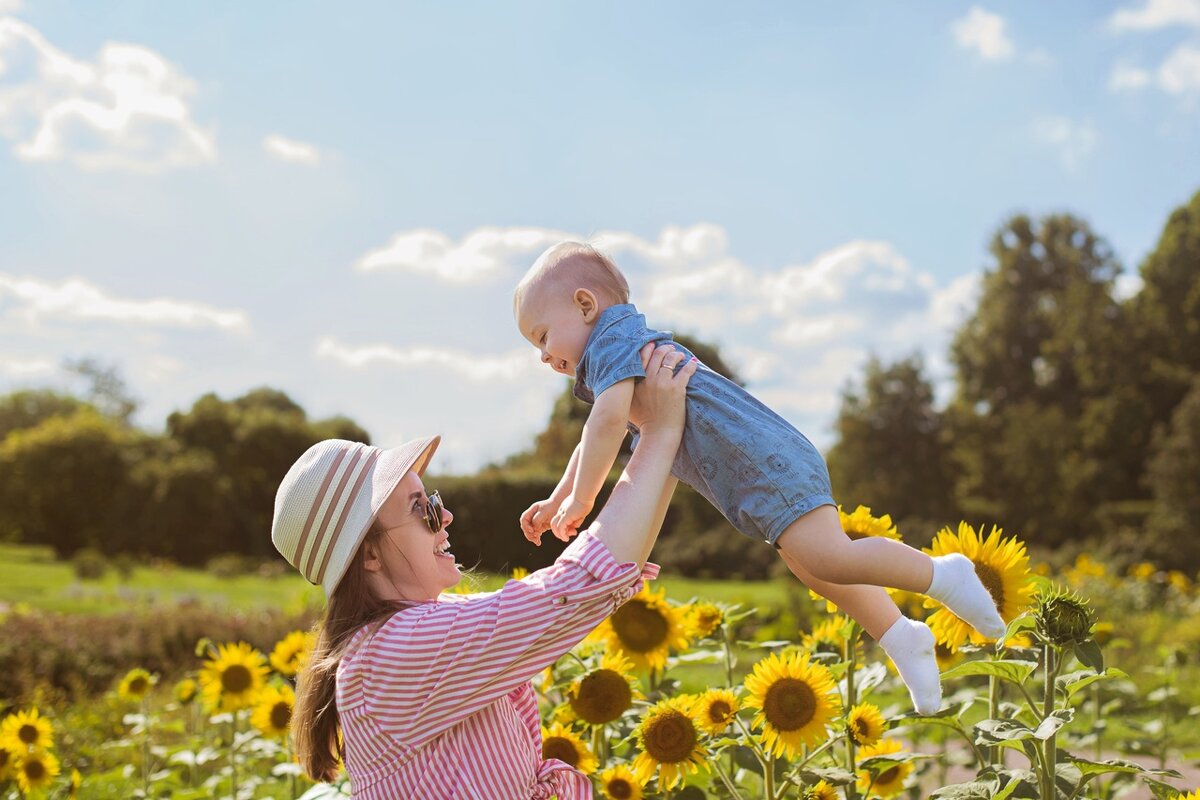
[{"x": 447, "y": 517}]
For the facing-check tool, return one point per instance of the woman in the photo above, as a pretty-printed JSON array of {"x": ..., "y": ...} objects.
[{"x": 429, "y": 693}]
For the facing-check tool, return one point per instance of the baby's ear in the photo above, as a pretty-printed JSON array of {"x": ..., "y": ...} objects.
[{"x": 586, "y": 302}]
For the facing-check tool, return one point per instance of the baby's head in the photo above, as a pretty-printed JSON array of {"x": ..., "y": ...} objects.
[{"x": 559, "y": 299}]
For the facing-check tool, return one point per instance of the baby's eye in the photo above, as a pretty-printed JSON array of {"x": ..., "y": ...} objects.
[{"x": 543, "y": 339}]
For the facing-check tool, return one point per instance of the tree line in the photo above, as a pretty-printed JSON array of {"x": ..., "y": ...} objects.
[{"x": 1074, "y": 418}]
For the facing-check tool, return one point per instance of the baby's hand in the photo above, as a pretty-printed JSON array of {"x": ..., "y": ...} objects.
[
  {"x": 570, "y": 516},
  {"x": 536, "y": 520}
]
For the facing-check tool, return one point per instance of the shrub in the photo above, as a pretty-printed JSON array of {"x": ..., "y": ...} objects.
[{"x": 89, "y": 564}]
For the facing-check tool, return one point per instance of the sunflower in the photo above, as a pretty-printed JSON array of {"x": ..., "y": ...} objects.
[
  {"x": 292, "y": 651},
  {"x": 645, "y": 629},
  {"x": 946, "y": 656},
  {"x": 273, "y": 711},
  {"x": 704, "y": 619},
  {"x": 822, "y": 791},
  {"x": 1002, "y": 566},
  {"x": 1144, "y": 571},
  {"x": 135, "y": 684},
  {"x": 232, "y": 678},
  {"x": 828, "y": 637},
  {"x": 559, "y": 741},
  {"x": 865, "y": 724},
  {"x": 1180, "y": 581},
  {"x": 75, "y": 784},
  {"x": 185, "y": 691},
  {"x": 36, "y": 770},
  {"x": 26, "y": 730},
  {"x": 796, "y": 699},
  {"x": 889, "y": 782},
  {"x": 619, "y": 783},
  {"x": 604, "y": 694},
  {"x": 715, "y": 709},
  {"x": 670, "y": 742},
  {"x": 7, "y": 762},
  {"x": 519, "y": 572},
  {"x": 861, "y": 525}
]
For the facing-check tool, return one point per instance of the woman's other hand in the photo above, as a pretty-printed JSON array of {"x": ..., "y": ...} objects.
[{"x": 658, "y": 399}]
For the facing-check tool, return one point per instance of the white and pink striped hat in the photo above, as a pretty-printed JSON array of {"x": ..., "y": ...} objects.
[{"x": 330, "y": 496}]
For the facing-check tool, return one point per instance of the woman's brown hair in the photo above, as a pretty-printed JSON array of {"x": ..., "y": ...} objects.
[{"x": 314, "y": 725}]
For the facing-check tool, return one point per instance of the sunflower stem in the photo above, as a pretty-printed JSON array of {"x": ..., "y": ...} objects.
[
  {"x": 994, "y": 753},
  {"x": 1050, "y": 746},
  {"x": 145, "y": 746},
  {"x": 725, "y": 779},
  {"x": 233, "y": 779},
  {"x": 769, "y": 778},
  {"x": 849, "y": 655},
  {"x": 730, "y": 658}
]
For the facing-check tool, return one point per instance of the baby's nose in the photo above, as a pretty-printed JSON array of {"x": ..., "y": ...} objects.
[{"x": 545, "y": 357}]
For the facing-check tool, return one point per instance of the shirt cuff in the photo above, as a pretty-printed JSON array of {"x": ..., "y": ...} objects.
[{"x": 594, "y": 556}]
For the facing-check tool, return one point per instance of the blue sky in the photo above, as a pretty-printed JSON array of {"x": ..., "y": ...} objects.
[{"x": 336, "y": 199}]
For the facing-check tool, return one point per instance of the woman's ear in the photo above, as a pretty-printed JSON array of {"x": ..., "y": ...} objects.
[
  {"x": 370, "y": 557},
  {"x": 587, "y": 304}
]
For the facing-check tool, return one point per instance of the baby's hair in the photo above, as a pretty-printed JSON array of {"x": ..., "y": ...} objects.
[{"x": 574, "y": 265}]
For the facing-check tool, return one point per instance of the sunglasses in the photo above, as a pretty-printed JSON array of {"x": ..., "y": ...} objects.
[{"x": 432, "y": 513}]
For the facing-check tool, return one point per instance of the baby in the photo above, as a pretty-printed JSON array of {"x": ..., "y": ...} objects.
[{"x": 767, "y": 479}]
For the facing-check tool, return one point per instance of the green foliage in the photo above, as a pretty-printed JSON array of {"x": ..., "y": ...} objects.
[
  {"x": 89, "y": 564},
  {"x": 1174, "y": 474},
  {"x": 30, "y": 407},
  {"x": 891, "y": 449}
]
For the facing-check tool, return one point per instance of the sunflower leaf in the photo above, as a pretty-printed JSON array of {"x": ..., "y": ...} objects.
[
  {"x": 831, "y": 775},
  {"x": 1075, "y": 682},
  {"x": 1087, "y": 767},
  {"x": 1090, "y": 655},
  {"x": 995, "y": 731},
  {"x": 1050, "y": 725},
  {"x": 1012, "y": 670}
]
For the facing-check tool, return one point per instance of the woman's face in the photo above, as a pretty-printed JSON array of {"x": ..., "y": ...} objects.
[{"x": 411, "y": 558}]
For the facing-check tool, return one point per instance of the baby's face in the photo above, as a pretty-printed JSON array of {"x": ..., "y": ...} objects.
[{"x": 557, "y": 327}]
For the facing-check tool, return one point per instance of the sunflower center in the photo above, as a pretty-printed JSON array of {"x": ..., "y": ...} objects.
[
  {"x": 992, "y": 582},
  {"x": 719, "y": 711},
  {"x": 640, "y": 627},
  {"x": 281, "y": 715},
  {"x": 561, "y": 748},
  {"x": 35, "y": 770},
  {"x": 603, "y": 696},
  {"x": 27, "y": 733},
  {"x": 790, "y": 704},
  {"x": 670, "y": 737},
  {"x": 619, "y": 789},
  {"x": 236, "y": 678},
  {"x": 861, "y": 729},
  {"x": 138, "y": 685}
]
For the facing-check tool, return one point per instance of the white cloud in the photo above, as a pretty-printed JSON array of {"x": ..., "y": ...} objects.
[
  {"x": 9, "y": 6},
  {"x": 27, "y": 367},
  {"x": 483, "y": 255},
  {"x": 676, "y": 247},
  {"x": 291, "y": 150},
  {"x": 983, "y": 32},
  {"x": 126, "y": 110},
  {"x": 1074, "y": 141},
  {"x": 1180, "y": 72},
  {"x": 1125, "y": 77},
  {"x": 514, "y": 366},
  {"x": 76, "y": 299},
  {"x": 1155, "y": 14}
]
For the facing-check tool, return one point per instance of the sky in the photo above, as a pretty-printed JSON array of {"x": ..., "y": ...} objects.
[{"x": 336, "y": 200}]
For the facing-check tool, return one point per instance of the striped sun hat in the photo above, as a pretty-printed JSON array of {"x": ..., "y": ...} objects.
[{"x": 330, "y": 496}]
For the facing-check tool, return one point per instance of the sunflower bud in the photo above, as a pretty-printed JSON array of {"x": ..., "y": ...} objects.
[{"x": 1063, "y": 618}]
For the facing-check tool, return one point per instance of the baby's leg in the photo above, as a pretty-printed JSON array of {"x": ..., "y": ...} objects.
[
  {"x": 822, "y": 548},
  {"x": 908, "y": 643}
]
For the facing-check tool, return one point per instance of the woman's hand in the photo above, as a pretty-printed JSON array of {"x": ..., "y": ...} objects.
[{"x": 658, "y": 399}]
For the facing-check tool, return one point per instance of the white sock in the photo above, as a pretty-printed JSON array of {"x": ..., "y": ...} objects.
[
  {"x": 956, "y": 586},
  {"x": 910, "y": 646}
]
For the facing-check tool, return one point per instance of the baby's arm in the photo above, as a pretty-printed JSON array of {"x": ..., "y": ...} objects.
[
  {"x": 536, "y": 519},
  {"x": 602, "y": 436}
]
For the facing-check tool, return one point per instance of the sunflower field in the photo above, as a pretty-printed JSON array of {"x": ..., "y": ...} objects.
[{"x": 703, "y": 699}]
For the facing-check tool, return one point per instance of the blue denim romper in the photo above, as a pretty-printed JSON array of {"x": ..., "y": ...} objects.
[{"x": 758, "y": 470}]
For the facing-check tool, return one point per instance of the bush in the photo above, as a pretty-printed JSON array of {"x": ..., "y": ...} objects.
[
  {"x": 230, "y": 565},
  {"x": 81, "y": 654},
  {"x": 89, "y": 564}
]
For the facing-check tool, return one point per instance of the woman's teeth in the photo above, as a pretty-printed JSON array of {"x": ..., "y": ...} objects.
[{"x": 443, "y": 549}]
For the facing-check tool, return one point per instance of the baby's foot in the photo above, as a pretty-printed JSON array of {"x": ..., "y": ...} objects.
[
  {"x": 910, "y": 646},
  {"x": 956, "y": 586}
]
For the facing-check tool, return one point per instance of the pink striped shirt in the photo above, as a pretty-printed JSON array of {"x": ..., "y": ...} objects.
[{"x": 438, "y": 702}]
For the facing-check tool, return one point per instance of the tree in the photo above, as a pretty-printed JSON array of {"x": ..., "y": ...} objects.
[
  {"x": 30, "y": 407},
  {"x": 891, "y": 453},
  {"x": 1174, "y": 476},
  {"x": 1037, "y": 357},
  {"x": 67, "y": 482},
  {"x": 106, "y": 388}
]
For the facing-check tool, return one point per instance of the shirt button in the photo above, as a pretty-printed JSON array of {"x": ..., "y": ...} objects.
[{"x": 561, "y": 600}]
